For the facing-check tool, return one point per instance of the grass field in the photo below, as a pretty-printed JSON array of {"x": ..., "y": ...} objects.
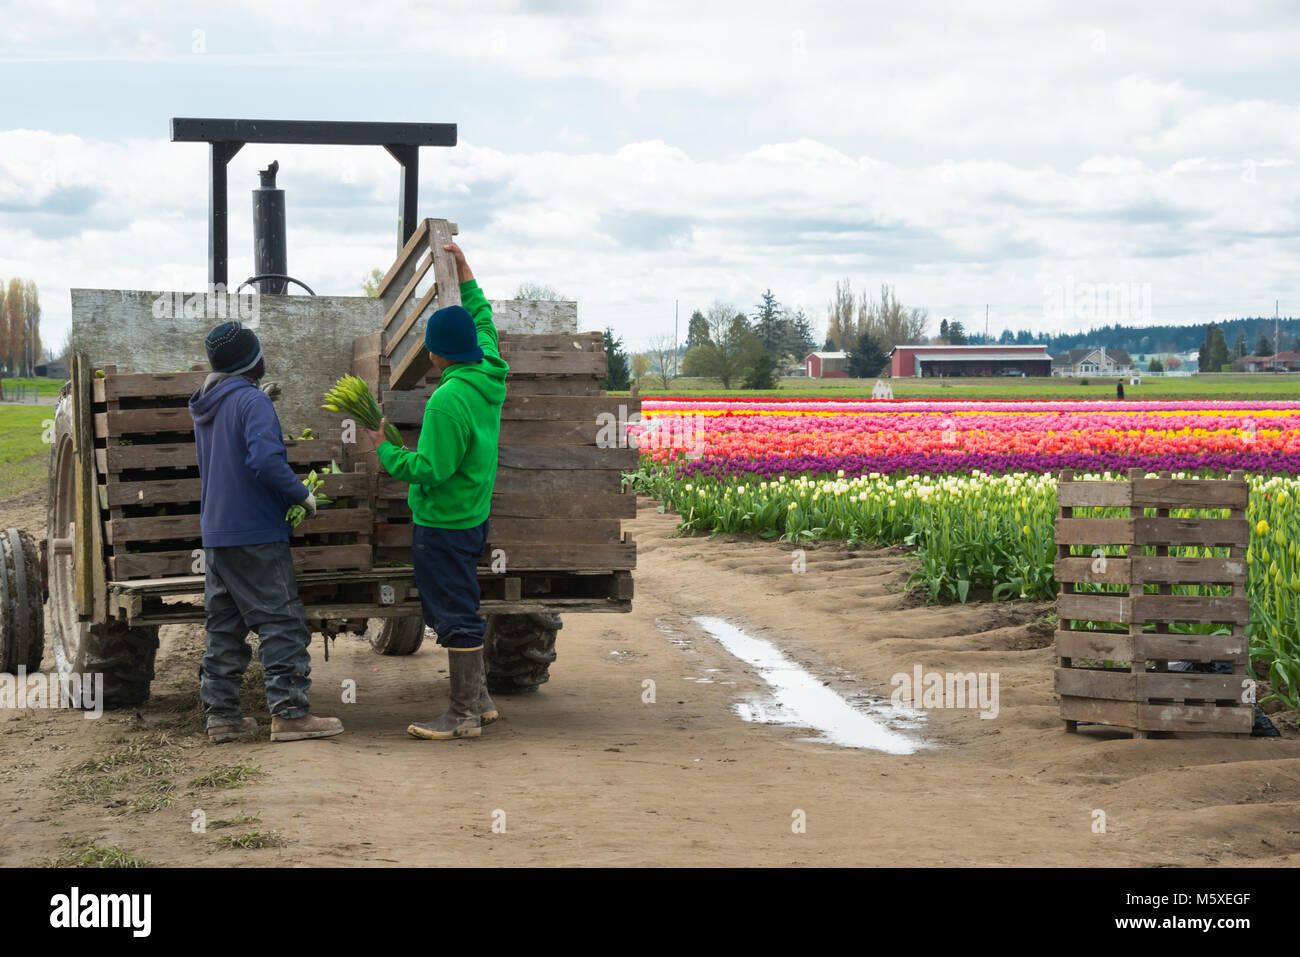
[
  {"x": 24, "y": 453},
  {"x": 43, "y": 385},
  {"x": 1221, "y": 386}
]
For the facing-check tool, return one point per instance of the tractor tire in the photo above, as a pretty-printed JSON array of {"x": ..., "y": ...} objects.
[
  {"x": 123, "y": 655},
  {"x": 518, "y": 651},
  {"x": 395, "y": 636},
  {"x": 22, "y": 603}
]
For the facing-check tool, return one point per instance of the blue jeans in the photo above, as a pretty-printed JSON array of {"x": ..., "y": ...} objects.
[
  {"x": 446, "y": 574},
  {"x": 253, "y": 588}
]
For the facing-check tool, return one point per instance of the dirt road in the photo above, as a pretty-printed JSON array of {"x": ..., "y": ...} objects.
[{"x": 587, "y": 772}]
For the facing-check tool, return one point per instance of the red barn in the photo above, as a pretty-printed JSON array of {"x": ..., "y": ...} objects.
[
  {"x": 827, "y": 365},
  {"x": 989, "y": 360}
]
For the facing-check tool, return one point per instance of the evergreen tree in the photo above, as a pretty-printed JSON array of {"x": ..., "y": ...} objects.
[
  {"x": 761, "y": 366},
  {"x": 866, "y": 358},
  {"x": 1263, "y": 347},
  {"x": 617, "y": 377},
  {"x": 767, "y": 322},
  {"x": 799, "y": 332},
  {"x": 697, "y": 333}
]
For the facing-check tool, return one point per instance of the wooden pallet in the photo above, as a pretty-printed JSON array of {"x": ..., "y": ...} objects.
[
  {"x": 1121, "y": 676},
  {"x": 149, "y": 488}
]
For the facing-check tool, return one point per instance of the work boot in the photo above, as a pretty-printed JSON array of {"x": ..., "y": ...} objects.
[
  {"x": 220, "y": 734},
  {"x": 308, "y": 726},
  {"x": 461, "y": 719}
]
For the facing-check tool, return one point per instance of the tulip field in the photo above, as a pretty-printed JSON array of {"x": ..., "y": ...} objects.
[{"x": 971, "y": 485}]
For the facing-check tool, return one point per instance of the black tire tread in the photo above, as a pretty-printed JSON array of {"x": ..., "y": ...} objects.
[{"x": 518, "y": 651}]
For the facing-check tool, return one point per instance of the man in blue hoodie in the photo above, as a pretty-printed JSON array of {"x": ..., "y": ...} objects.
[{"x": 247, "y": 486}]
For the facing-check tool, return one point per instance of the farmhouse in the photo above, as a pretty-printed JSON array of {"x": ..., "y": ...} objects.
[
  {"x": 1099, "y": 362},
  {"x": 1281, "y": 362},
  {"x": 827, "y": 365},
  {"x": 969, "y": 360}
]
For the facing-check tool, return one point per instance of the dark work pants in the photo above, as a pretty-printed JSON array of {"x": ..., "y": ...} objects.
[
  {"x": 253, "y": 588},
  {"x": 446, "y": 573}
]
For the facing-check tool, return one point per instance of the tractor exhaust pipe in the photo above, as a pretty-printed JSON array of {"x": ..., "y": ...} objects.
[{"x": 270, "y": 252}]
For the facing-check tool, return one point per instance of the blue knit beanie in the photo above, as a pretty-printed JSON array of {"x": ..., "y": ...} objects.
[
  {"x": 451, "y": 334},
  {"x": 233, "y": 348}
]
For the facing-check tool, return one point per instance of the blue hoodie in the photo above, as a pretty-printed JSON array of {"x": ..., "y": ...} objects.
[{"x": 247, "y": 484}]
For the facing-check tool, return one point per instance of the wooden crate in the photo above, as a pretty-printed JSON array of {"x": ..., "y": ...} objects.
[
  {"x": 149, "y": 488},
  {"x": 558, "y": 501},
  {"x": 1121, "y": 675}
]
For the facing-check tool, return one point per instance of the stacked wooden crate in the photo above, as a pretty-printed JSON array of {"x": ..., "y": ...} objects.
[
  {"x": 558, "y": 501},
  {"x": 149, "y": 489},
  {"x": 1115, "y": 647},
  {"x": 555, "y": 521}
]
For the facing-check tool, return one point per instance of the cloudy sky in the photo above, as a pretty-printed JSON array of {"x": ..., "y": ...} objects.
[{"x": 633, "y": 154}]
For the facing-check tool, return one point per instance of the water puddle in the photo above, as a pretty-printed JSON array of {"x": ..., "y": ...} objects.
[{"x": 800, "y": 699}]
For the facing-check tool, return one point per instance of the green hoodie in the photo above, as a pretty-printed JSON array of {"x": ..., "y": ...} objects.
[{"x": 452, "y": 472}]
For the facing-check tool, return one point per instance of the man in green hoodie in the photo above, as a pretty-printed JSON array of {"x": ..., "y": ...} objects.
[{"x": 451, "y": 475}]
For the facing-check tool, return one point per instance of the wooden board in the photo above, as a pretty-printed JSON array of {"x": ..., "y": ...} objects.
[
  {"x": 1094, "y": 494},
  {"x": 305, "y": 558},
  {"x": 1094, "y": 531},
  {"x": 532, "y": 531},
  {"x": 1120, "y": 646},
  {"x": 119, "y": 422},
  {"x": 1154, "y": 493},
  {"x": 149, "y": 385},
  {"x": 1082, "y": 606},
  {"x": 1125, "y": 686},
  {"x": 572, "y": 457},
  {"x": 1154, "y": 717},
  {"x": 168, "y": 491},
  {"x": 122, "y": 458},
  {"x": 1190, "y": 493}
]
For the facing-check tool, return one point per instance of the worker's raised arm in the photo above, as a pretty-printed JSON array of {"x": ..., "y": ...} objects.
[{"x": 475, "y": 303}]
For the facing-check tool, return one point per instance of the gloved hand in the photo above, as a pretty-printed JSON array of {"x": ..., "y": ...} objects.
[{"x": 309, "y": 503}]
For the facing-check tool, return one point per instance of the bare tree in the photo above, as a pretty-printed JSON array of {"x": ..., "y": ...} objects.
[
  {"x": 888, "y": 322},
  {"x": 662, "y": 358},
  {"x": 536, "y": 290},
  {"x": 839, "y": 316}
]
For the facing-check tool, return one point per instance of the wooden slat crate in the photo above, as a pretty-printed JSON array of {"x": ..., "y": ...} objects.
[
  {"x": 1121, "y": 675},
  {"x": 149, "y": 488},
  {"x": 558, "y": 501},
  {"x": 403, "y": 336}
]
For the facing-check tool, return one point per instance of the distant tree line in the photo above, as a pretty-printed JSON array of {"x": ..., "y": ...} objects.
[
  {"x": 20, "y": 328},
  {"x": 1162, "y": 339}
]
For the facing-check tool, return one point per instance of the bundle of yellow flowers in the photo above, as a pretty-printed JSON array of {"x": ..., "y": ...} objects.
[{"x": 351, "y": 396}]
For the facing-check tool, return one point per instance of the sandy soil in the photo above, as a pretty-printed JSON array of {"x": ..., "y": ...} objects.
[{"x": 584, "y": 772}]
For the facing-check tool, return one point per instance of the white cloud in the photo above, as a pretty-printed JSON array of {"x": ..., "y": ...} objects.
[{"x": 966, "y": 155}]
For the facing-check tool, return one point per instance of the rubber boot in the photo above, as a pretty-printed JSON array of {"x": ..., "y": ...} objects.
[
  {"x": 486, "y": 707},
  {"x": 461, "y": 719}
]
